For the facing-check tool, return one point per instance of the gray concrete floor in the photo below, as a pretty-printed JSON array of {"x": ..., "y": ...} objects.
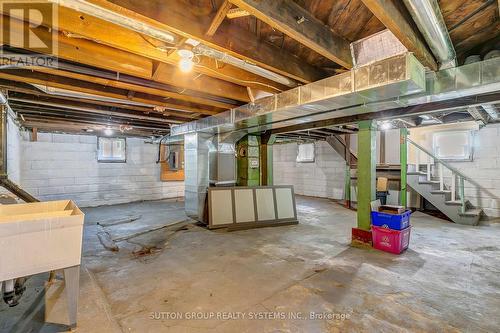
[{"x": 273, "y": 279}]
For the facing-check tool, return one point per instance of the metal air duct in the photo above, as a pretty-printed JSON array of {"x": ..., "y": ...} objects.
[
  {"x": 388, "y": 84},
  {"x": 207, "y": 51},
  {"x": 427, "y": 15}
]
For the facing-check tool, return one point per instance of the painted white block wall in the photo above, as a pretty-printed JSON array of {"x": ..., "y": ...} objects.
[
  {"x": 62, "y": 166},
  {"x": 484, "y": 170},
  {"x": 323, "y": 178}
]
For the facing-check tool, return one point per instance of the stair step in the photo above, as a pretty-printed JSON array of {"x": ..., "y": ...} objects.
[
  {"x": 429, "y": 182},
  {"x": 440, "y": 192},
  {"x": 454, "y": 203},
  {"x": 472, "y": 212}
]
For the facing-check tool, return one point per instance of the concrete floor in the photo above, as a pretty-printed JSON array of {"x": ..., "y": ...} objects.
[{"x": 448, "y": 281}]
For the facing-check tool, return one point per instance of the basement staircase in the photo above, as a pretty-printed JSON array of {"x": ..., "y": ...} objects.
[{"x": 429, "y": 181}]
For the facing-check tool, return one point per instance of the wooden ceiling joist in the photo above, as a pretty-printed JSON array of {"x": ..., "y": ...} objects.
[
  {"x": 73, "y": 23},
  {"x": 40, "y": 105},
  {"x": 110, "y": 58},
  {"x": 300, "y": 25},
  {"x": 392, "y": 14},
  {"x": 175, "y": 16},
  {"x": 218, "y": 18},
  {"x": 99, "y": 90},
  {"x": 136, "y": 88},
  {"x": 66, "y": 125},
  {"x": 236, "y": 12},
  {"x": 54, "y": 114},
  {"x": 24, "y": 91}
]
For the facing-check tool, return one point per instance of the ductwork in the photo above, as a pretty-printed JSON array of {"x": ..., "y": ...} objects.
[
  {"x": 491, "y": 110},
  {"x": 209, "y": 160},
  {"x": 392, "y": 83},
  {"x": 3, "y": 99},
  {"x": 427, "y": 15},
  {"x": 207, "y": 51},
  {"x": 394, "y": 77},
  {"x": 350, "y": 94}
]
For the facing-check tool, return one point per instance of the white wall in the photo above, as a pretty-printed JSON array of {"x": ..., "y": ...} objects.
[
  {"x": 484, "y": 170},
  {"x": 323, "y": 178},
  {"x": 62, "y": 166}
]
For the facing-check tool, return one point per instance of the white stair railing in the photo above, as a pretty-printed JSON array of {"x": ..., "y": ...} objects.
[{"x": 441, "y": 165}]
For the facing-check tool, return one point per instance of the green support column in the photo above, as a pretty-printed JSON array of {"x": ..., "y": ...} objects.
[
  {"x": 266, "y": 159},
  {"x": 248, "y": 161},
  {"x": 367, "y": 164},
  {"x": 403, "y": 157}
]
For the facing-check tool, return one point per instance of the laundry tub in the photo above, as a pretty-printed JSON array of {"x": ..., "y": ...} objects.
[{"x": 39, "y": 237}]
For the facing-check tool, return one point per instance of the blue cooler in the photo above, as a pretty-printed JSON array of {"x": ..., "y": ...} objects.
[{"x": 391, "y": 221}]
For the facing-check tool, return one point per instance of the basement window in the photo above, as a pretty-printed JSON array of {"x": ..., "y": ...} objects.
[
  {"x": 305, "y": 153},
  {"x": 111, "y": 150},
  {"x": 453, "y": 145}
]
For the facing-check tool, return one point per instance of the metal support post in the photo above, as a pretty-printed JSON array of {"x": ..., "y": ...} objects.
[
  {"x": 403, "y": 157},
  {"x": 367, "y": 163}
]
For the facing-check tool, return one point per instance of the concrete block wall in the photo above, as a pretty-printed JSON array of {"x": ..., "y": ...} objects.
[
  {"x": 62, "y": 166},
  {"x": 484, "y": 170},
  {"x": 323, "y": 178}
]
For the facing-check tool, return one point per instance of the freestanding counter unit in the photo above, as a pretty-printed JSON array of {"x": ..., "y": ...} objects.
[{"x": 42, "y": 237}]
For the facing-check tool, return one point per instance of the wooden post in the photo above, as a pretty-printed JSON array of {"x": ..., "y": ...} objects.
[{"x": 34, "y": 134}]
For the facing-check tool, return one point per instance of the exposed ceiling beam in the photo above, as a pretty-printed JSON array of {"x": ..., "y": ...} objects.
[
  {"x": 85, "y": 120},
  {"x": 218, "y": 18},
  {"x": 95, "y": 54},
  {"x": 394, "y": 16},
  {"x": 20, "y": 90},
  {"x": 77, "y": 25},
  {"x": 98, "y": 90},
  {"x": 20, "y": 102},
  {"x": 72, "y": 126},
  {"x": 77, "y": 115},
  {"x": 237, "y": 12},
  {"x": 299, "y": 24},
  {"x": 176, "y": 16},
  {"x": 135, "y": 88}
]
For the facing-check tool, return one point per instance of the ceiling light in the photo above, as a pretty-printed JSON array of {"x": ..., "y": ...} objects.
[
  {"x": 89, "y": 130},
  {"x": 185, "y": 51},
  {"x": 186, "y": 65},
  {"x": 108, "y": 131},
  {"x": 186, "y": 54},
  {"x": 386, "y": 125}
]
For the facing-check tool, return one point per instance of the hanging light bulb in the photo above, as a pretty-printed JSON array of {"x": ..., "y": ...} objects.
[
  {"x": 186, "y": 58},
  {"x": 108, "y": 131},
  {"x": 386, "y": 125},
  {"x": 186, "y": 65}
]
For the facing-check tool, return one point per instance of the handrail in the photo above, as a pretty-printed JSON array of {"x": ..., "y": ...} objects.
[{"x": 438, "y": 159}]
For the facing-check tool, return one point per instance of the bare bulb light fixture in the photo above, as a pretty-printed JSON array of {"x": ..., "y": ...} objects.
[
  {"x": 108, "y": 131},
  {"x": 386, "y": 125},
  {"x": 186, "y": 54}
]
